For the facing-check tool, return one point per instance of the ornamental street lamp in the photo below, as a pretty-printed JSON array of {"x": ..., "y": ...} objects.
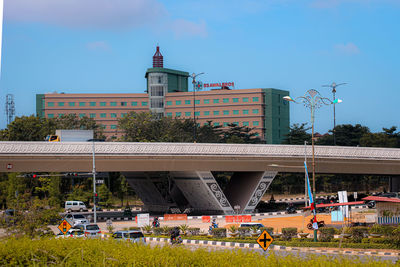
[
  {"x": 333, "y": 86},
  {"x": 193, "y": 76},
  {"x": 312, "y": 100}
]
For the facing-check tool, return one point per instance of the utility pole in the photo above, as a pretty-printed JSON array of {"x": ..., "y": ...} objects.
[
  {"x": 95, "y": 197},
  {"x": 333, "y": 86},
  {"x": 194, "y": 104}
]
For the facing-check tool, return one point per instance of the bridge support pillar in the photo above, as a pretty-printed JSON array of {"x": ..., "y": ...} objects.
[
  {"x": 151, "y": 190},
  {"x": 394, "y": 184},
  {"x": 202, "y": 192},
  {"x": 245, "y": 189}
]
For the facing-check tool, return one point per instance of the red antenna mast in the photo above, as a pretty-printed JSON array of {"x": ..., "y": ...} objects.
[{"x": 158, "y": 59}]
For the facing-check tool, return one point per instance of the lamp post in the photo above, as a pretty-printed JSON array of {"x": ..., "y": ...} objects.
[
  {"x": 94, "y": 184},
  {"x": 312, "y": 99},
  {"x": 194, "y": 104},
  {"x": 333, "y": 86}
]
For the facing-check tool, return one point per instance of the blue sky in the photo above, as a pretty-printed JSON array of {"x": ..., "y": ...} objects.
[{"x": 93, "y": 46}]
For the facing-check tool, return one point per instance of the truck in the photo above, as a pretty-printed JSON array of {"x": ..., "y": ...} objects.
[{"x": 70, "y": 136}]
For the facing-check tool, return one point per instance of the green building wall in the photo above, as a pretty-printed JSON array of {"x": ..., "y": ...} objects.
[
  {"x": 277, "y": 115},
  {"x": 177, "y": 80},
  {"x": 40, "y": 105}
]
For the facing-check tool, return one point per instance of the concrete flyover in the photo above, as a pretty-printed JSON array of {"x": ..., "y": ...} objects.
[{"x": 187, "y": 179}]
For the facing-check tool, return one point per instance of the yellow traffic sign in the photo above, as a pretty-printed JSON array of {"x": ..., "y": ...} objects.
[
  {"x": 264, "y": 240},
  {"x": 64, "y": 226}
]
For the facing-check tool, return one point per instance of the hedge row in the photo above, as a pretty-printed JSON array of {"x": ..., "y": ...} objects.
[{"x": 95, "y": 252}]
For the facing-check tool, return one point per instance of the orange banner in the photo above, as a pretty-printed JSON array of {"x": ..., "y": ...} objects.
[
  {"x": 246, "y": 218},
  {"x": 175, "y": 217},
  {"x": 229, "y": 219},
  {"x": 206, "y": 219}
]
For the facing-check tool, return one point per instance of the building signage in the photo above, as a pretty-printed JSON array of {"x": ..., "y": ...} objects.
[
  {"x": 143, "y": 219},
  {"x": 219, "y": 84}
]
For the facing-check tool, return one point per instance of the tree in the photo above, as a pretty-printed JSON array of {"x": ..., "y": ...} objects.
[
  {"x": 297, "y": 135},
  {"x": 346, "y": 135},
  {"x": 387, "y": 138},
  {"x": 240, "y": 134},
  {"x": 105, "y": 196}
]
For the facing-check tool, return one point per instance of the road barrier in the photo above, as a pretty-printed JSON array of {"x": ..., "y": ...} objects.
[
  {"x": 238, "y": 218},
  {"x": 175, "y": 217}
]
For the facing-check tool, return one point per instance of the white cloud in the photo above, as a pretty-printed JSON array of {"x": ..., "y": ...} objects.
[
  {"x": 182, "y": 28},
  {"x": 101, "y": 14},
  {"x": 335, "y": 3},
  {"x": 349, "y": 48},
  {"x": 98, "y": 45}
]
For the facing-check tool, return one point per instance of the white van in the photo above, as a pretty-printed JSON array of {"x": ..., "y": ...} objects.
[{"x": 75, "y": 206}]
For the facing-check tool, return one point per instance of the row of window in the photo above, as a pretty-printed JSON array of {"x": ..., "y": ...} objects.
[
  {"x": 215, "y": 101},
  {"x": 215, "y": 112},
  {"x": 94, "y": 104},
  {"x": 91, "y": 115}
]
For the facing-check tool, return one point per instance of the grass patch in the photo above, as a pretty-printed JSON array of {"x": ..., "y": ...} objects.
[{"x": 94, "y": 252}]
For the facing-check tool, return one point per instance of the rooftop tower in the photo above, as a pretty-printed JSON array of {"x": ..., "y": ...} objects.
[{"x": 158, "y": 60}]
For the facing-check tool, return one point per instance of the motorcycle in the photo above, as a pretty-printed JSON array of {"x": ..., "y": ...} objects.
[
  {"x": 290, "y": 210},
  {"x": 156, "y": 224},
  {"x": 176, "y": 240},
  {"x": 310, "y": 225}
]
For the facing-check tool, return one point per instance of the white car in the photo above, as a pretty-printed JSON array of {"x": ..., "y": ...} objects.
[
  {"x": 75, "y": 219},
  {"x": 75, "y": 206},
  {"x": 77, "y": 233}
]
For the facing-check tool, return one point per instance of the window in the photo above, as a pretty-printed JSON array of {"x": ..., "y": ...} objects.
[
  {"x": 82, "y": 104},
  {"x": 60, "y": 115},
  {"x": 187, "y": 102},
  {"x": 255, "y": 111},
  {"x": 216, "y": 112},
  {"x": 205, "y": 124},
  {"x": 197, "y": 113},
  {"x": 123, "y": 115},
  {"x": 225, "y": 100},
  {"x": 60, "y": 104},
  {"x": 178, "y": 114},
  {"x": 50, "y": 116},
  {"x": 245, "y": 123},
  {"x": 245, "y": 111},
  {"x": 103, "y": 115},
  {"x": 235, "y": 123},
  {"x": 103, "y": 126},
  {"x": 197, "y": 102},
  {"x": 103, "y": 104},
  {"x": 236, "y": 112},
  {"x": 113, "y": 104},
  {"x": 216, "y": 123},
  {"x": 92, "y": 115},
  {"x": 113, "y": 126},
  {"x": 255, "y": 99},
  {"x": 124, "y": 104},
  {"x": 169, "y": 103},
  {"x": 71, "y": 104},
  {"x": 215, "y": 101},
  {"x": 113, "y": 115},
  {"x": 255, "y": 123},
  {"x": 256, "y": 134},
  {"x": 245, "y": 99},
  {"x": 92, "y": 104},
  {"x": 187, "y": 114},
  {"x": 206, "y": 113},
  {"x": 235, "y": 100},
  {"x": 50, "y": 104},
  {"x": 144, "y": 103},
  {"x": 226, "y": 112},
  {"x": 134, "y": 103},
  {"x": 169, "y": 114},
  {"x": 81, "y": 115},
  {"x": 206, "y": 101},
  {"x": 178, "y": 102},
  {"x": 226, "y": 124}
]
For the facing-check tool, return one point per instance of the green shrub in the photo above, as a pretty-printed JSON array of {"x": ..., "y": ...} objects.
[
  {"x": 244, "y": 231},
  {"x": 358, "y": 233},
  {"x": 394, "y": 239},
  {"x": 194, "y": 231},
  {"x": 134, "y": 228},
  {"x": 289, "y": 233},
  {"x": 218, "y": 232},
  {"x": 326, "y": 234},
  {"x": 270, "y": 230}
]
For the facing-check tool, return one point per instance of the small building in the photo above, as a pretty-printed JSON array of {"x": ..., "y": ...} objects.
[{"x": 388, "y": 209}]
